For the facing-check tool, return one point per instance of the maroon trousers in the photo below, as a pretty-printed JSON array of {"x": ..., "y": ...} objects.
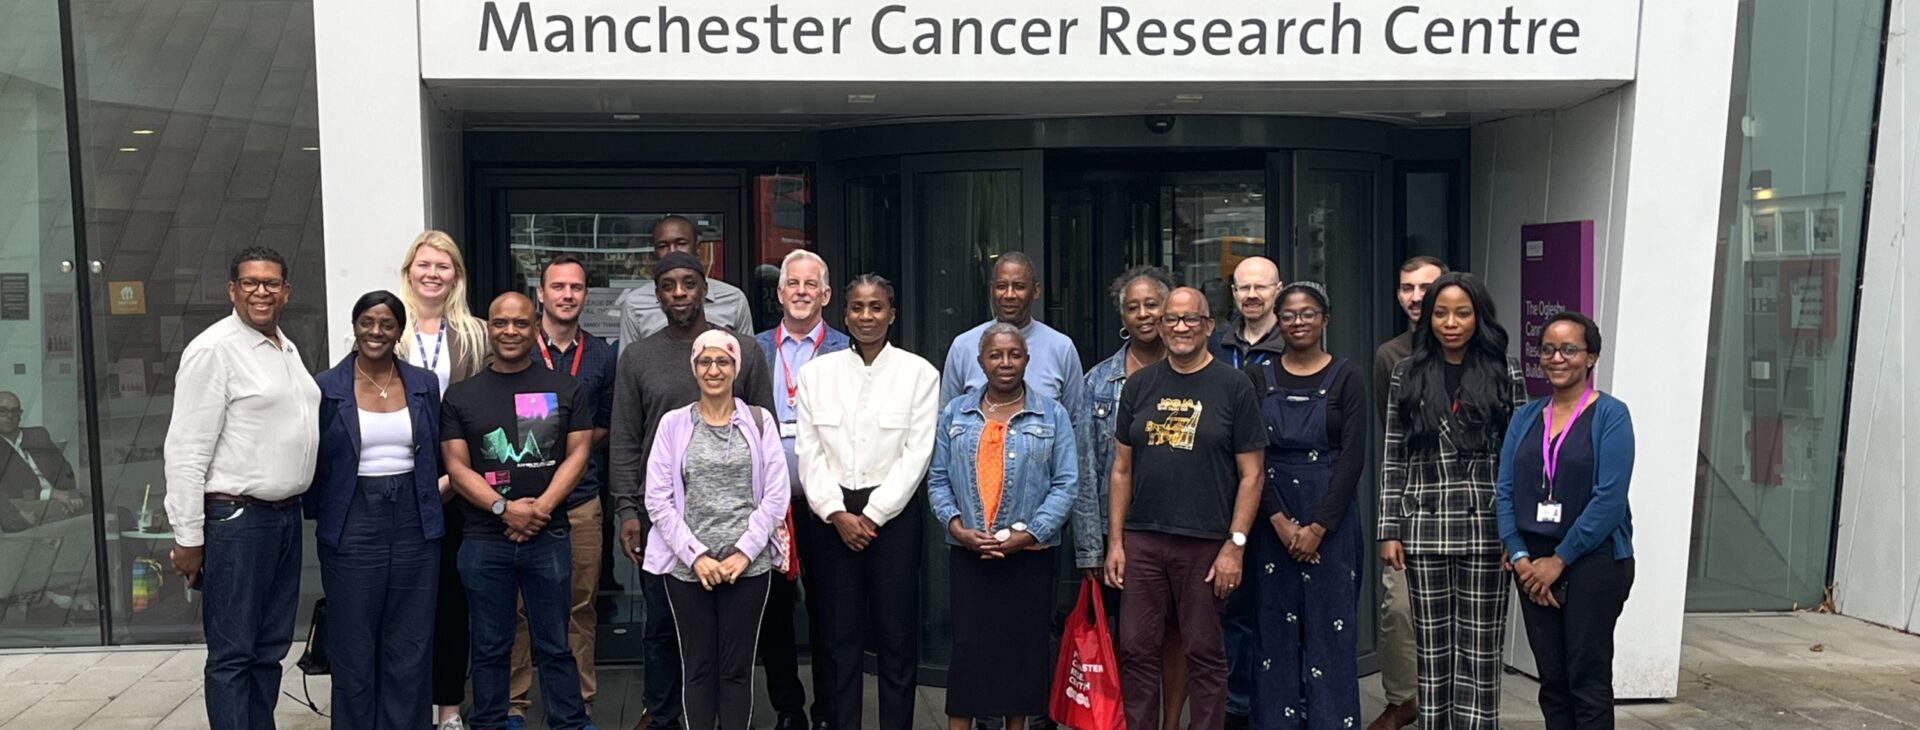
[{"x": 1166, "y": 576}]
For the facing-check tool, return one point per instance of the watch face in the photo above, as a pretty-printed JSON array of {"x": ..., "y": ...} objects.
[{"x": 1240, "y": 539}]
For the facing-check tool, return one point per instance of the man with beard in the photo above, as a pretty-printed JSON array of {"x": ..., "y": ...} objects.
[
  {"x": 562, "y": 347},
  {"x": 651, "y": 379},
  {"x": 641, "y": 312}
]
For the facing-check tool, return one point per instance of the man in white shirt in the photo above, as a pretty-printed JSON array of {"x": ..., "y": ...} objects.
[
  {"x": 640, "y": 314},
  {"x": 32, "y": 472},
  {"x": 239, "y": 452}
]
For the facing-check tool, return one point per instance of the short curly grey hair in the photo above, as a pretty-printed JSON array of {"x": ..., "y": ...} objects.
[
  {"x": 1161, "y": 281},
  {"x": 1001, "y": 328}
]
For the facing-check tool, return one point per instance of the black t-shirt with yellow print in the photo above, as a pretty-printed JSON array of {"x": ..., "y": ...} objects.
[{"x": 1185, "y": 430}]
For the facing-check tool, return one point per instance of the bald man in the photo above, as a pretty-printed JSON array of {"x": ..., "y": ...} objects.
[
  {"x": 32, "y": 472},
  {"x": 515, "y": 440},
  {"x": 1188, "y": 441},
  {"x": 1252, "y": 337}
]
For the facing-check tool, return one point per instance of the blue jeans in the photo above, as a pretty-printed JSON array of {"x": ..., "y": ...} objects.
[
  {"x": 251, "y": 584},
  {"x": 495, "y": 572},
  {"x": 660, "y": 655},
  {"x": 382, "y": 580}
]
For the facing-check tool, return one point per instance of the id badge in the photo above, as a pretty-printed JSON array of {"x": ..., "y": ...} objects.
[
  {"x": 789, "y": 429},
  {"x": 1548, "y": 512}
]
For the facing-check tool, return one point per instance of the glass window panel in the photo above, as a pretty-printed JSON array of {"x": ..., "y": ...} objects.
[
  {"x": 198, "y": 138},
  {"x": 1210, "y": 229},
  {"x": 782, "y": 213},
  {"x": 49, "y": 584},
  {"x": 1782, "y": 324}
]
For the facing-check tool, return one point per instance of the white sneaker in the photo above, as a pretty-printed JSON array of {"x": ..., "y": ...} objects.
[{"x": 453, "y": 723}]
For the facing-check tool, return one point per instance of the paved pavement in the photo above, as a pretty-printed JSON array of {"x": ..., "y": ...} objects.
[{"x": 1737, "y": 671}]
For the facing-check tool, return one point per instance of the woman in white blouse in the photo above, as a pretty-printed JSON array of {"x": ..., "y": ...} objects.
[
  {"x": 866, "y": 420},
  {"x": 443, "y": 337}
]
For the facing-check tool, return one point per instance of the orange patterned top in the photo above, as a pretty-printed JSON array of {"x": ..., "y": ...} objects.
[{"x": 990, "y": 463}]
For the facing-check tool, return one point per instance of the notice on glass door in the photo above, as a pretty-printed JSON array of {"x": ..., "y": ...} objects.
[{"x": 13, "y": 297}]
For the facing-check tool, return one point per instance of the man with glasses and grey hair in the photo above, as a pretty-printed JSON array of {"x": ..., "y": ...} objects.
[
  {"x": 804, "y": 289},
  {"x": 35, "y": 478},
  {"x": 240, "y": 451}
]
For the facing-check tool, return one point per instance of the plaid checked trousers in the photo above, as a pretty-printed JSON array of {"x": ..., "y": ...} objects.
[{"x": 1460, "y": 622}]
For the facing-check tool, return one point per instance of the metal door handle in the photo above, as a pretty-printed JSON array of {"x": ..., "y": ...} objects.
[
  {"x": 96, "y": 266},
  {"x": 66, "y": 267}
]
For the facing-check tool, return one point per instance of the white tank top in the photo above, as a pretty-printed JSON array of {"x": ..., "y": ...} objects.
[{"x": 386, "y": 443}]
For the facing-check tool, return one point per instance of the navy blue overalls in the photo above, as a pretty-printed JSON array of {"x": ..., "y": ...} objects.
[{"x": 1305, "y": 675}]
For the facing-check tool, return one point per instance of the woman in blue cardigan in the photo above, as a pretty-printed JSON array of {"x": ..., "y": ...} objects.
[
  {"x": 376, "y": 499},
  {"x": 1561, "y": 501}
]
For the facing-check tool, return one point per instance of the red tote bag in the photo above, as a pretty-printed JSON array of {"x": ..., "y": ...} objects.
[{"x": 1086, "y": 682}]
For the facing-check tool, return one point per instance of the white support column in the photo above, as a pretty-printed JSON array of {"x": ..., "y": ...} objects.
[
  {"x": 1657, "y": 344},
  {"x": 372, "y": 148}
]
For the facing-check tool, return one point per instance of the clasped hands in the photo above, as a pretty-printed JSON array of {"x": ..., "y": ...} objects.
[
  {"x": 713, "y": 572},
  {"x": 989, "y": 548},
  {"x": 1303, "y": 543},
  {"x": 1537, "y": 577},
  {"x": 525, "y": 518}
]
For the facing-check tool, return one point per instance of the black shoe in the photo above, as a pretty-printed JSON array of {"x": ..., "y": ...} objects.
[
  {"x": 819, "y": 724},
  {"x": 1041, "y": 722},
  {"x": 989, "y": 723},
  {"x": 1236, "y": 721},
  {"x": 791, "y": 721}
]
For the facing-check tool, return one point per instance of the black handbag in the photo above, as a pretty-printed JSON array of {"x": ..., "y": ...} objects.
[{"x": 313, "y": 657}]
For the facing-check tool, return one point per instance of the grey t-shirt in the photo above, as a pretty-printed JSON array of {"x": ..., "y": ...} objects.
[{"x": 719, "y": 480}]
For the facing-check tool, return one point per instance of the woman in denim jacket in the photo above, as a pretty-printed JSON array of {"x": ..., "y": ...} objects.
[
  {"x": 1003, "y": 478},
  {"x": 1138, "y": 295}
]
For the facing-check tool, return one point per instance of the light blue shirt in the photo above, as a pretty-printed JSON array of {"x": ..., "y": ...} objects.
[
  {"x": 1053, "y": 366},
  {"x": 794, "y": 353}
]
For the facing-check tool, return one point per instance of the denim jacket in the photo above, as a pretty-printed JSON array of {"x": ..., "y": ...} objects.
[
  {"x": 1095, "y": 432},
  {"x": 1042, "y": 468}
]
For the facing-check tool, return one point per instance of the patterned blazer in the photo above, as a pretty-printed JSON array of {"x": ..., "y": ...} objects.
[{"x": 1439, "y": 503}]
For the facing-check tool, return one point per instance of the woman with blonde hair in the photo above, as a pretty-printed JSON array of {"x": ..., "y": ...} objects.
[{"x": 442, "y": 336}]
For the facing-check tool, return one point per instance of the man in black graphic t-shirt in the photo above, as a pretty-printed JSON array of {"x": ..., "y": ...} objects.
[{"x": 515, "y": 442}]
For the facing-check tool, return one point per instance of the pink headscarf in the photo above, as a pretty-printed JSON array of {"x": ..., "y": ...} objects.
[{"x": 717, "y": 339}]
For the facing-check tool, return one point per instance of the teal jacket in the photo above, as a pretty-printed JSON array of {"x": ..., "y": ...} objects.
[{"x": 1607, "y": 513}]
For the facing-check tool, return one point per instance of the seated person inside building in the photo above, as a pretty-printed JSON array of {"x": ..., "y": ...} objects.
[{"x": 36, "y": 482}]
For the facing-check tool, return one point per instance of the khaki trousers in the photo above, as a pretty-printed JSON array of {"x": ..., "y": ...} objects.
[
  {"x": 584, "y": 528},
  {"x": 1398, "y": 678}
]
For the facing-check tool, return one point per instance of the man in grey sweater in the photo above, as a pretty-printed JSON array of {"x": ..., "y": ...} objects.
[{"x": 653, "y": 377}]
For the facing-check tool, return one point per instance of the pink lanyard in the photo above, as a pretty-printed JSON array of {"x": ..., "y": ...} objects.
[{"x": 1550, "y": 446}]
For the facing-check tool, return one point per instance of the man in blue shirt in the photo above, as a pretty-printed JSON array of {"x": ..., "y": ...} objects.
[
  {"x": 801, "y": 336},
  {"x": 561, "y": 346},
  {"x": 1054, "y": 370}
]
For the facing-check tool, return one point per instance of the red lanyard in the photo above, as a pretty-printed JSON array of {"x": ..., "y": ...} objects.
[
  {"x": 1550, "y": 446},
  {"x": 579, "y": 346},
  {"x": 819, "y": 335}
]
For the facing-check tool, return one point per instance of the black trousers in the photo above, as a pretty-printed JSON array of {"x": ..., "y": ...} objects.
[
  {"x": 450, "y": 616},
  {"x": 870, "y": 598},
  {"x": 1573, "y": 644},
  {"x": 716, "y": 648},
  {"x": 779, "y": 648}
]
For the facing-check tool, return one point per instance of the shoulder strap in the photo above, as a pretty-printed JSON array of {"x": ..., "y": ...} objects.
[
  {"x": 1272, "y": 378},
  {"x": 1326, "y": 383}
]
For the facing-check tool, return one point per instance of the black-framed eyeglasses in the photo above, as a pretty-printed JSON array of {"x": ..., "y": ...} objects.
[
  {"x": 713, "y": 362},
  {"x": 273, "y": 286},
  {"x": 1568, "y": 350},
  {"x": 1308, "y": 316},
  {"x": 1189, "y": 320}
]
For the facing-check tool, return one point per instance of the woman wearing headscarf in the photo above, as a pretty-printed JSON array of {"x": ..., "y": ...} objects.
[
  {"x": 1003, "y": 479},
  {"x": 1306, "y": 580},
  {"x": 1562, "y": 504},
  {"x": 378, "y": 522},
  {"x": 716, "y": 493},
  {"x": 1448, "y": 405}
]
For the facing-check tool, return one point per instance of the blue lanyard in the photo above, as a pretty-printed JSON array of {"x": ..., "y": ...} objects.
[{"x": 439, "y": 338}]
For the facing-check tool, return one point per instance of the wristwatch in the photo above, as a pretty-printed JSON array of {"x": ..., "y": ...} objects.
[
  {"x": 1239, "y": 539},
  {"x": 499, "y": 506}
]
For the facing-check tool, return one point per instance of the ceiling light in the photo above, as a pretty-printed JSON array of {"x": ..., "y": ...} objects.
[
  {"x": 1431, "y": 115},
  {"x": 129, "y": 149},
  {"x": 309, "y": 149},
  {"x": 862, "y": 98},
  {"x": 625, "y": 117},
  {"x": 1187, "y": 98},
  {"x": 143, "y": 132}
]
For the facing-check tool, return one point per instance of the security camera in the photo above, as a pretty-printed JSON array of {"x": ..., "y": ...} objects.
[{"x": 1160, "y": 123}]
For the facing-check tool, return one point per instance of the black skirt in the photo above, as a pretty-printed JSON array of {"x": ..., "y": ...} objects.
[{"x": 1002, "y": 661}]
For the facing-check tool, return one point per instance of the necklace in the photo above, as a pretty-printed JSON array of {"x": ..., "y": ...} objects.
[
  {"x": 1134, "y": 361},
  {"x": 376, "y": 384},
  {"x": 991, "y": 405}
]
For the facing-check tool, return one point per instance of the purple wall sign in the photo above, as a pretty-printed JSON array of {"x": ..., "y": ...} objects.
[{"x": 1556, "y": 274}]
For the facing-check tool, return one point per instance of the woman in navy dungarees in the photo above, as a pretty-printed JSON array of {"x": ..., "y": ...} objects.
[{"x": 1306, "y": 567}]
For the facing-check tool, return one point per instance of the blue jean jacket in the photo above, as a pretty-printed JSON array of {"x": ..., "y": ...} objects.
[
  {"x": 1095, "y": 432},
  {"x": 1042, "y": 468}
]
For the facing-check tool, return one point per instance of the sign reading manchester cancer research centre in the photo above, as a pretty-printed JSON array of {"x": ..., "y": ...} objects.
[
  {"x": 1023, "y": 40},
  {"x": 1556, "y": 274}
]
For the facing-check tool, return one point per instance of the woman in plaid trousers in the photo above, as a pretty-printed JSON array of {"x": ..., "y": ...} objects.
[{"x": 1447, "y": 410}]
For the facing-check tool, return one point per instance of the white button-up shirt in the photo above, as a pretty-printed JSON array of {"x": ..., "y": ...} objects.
[
  {"x": 866, "y": 427},
  {"x": 245, "y": 423}
]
